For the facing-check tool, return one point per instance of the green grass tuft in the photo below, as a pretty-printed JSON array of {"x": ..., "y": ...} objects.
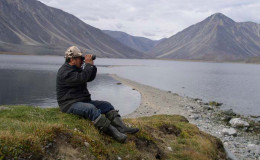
[{"x": 214, "y": 103}]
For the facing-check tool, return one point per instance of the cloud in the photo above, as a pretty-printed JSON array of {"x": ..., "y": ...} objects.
[
  {"x": 148, "y": 34},
  {"x": 155, "y": 18},
  {"x": 119, "y": 26}
]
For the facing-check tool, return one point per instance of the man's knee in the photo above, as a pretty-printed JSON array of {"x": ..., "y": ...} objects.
[
  {"x": 90, "y": 108},
  {"x": 110, "y": 106},
  {"x": 105, "y": 106},
  {"x": 85, "y": 110},
  {"x": 106, "y": 103}
]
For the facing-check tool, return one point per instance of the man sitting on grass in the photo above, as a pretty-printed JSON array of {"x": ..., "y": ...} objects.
[{"x": 73, "y": 96}]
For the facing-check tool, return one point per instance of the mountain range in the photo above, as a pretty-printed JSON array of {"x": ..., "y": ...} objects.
[
  {"x": 217, "y": 38},
  {"x": 31, "y": 27},
  {"x": 141, "y": 44}
]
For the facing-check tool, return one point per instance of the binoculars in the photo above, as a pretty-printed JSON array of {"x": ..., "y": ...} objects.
[{"x": 93, "y": 57}]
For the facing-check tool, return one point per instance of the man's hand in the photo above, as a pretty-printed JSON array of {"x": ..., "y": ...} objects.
[{"x": 88, "y": 59}]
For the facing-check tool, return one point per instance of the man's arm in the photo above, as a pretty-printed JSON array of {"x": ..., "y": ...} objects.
[
  {"x": 88, "y": 73},
  {"x": 75, "y": 78},
  {"x": 94, "y": 72}
]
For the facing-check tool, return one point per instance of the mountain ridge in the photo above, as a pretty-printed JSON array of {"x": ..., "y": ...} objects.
[
  {"x": 35, "y": 28},
  {"x": 216, "y": 38},
  {"x": 141, "y": 44}
]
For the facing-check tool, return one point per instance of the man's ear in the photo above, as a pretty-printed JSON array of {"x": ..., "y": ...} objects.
[{"x": 72, "y": 61}]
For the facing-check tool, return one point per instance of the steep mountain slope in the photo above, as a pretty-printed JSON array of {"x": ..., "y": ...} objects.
[
  {"x": 216, "y": 38},
  {"x": 31, "y": 27},
  {"x": 138, "y": 43}
]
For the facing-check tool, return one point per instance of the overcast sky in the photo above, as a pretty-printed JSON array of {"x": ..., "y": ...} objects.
[{"x": 155, "y": 19}]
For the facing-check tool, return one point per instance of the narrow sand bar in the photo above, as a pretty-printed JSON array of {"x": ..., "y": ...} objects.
[{"x": 155, "y": 101}]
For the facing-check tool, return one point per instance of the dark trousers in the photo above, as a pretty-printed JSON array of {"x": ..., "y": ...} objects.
[{"x": 90, "y": 110}]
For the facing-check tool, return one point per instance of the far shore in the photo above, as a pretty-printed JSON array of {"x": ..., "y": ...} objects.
[
  {"x": 12, "y": 53},
  {"x": 155, "y": 102},
  {"x": 247, "y": 61}
]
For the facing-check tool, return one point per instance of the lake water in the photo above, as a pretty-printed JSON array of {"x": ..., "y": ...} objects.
[
  {"x": 31, "y": 80},
  {"x": 235, "y": 85}
]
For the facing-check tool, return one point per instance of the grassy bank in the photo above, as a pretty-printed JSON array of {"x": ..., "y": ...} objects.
[
  {"x": 36, "y": 133},
  {"x": 12, "y": 53}
]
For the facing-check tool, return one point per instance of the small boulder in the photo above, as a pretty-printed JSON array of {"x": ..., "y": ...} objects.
[
  {"x": 170, "y": 148},
  {"x": 252, "y": 148},
  {"x": 195, "y": 117},
  {"x": 238, "y": 122},
  {"x": 189, "y": 107},
  {"x": 229, "y": 112},
  {"x": 229, "y": 131},
  {"x": 86, "y": 144},
  {"x": 226, "y": 118},
  {"x": 197, "y": 99},
  {"x": 207, "y": 108}
]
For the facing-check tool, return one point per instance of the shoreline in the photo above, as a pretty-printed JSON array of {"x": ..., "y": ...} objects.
[
  {"x": 207, "y": 118},
  {"x": 257, "y": 62}
]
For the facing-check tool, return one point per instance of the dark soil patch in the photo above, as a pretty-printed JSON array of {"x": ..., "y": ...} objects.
[
  {"x": 183, "y": 119},
  {"x": 148, "y": 147},
  {"x": 62, "y": 147},
  {"x": 170, "y": 129}
]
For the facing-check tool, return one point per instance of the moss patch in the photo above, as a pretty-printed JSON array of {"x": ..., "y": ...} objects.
[
  {"x": 214, "y": 103},
  {"x": 36, "y": 133}
]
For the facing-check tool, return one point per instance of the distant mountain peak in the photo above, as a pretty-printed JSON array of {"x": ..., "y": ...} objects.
[
  {"x": 217, "y": 38},
  {"x": 220, "y": 19},
  {"x": 220, "y": 16}
]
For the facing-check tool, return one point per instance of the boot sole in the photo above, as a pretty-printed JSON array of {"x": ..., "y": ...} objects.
[
  {"x": 124, "y": 140},
  {"x": 133, "y": 132}
]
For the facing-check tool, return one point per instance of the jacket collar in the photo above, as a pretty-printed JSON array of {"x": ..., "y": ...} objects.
[{"x": 71, "y": 66}]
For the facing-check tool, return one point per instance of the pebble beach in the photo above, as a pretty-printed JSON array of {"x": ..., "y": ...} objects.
[{"x": 240, "y": 142}]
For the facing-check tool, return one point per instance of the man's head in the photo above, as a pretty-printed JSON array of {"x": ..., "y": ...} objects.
[{"x": 74, "y": 56}]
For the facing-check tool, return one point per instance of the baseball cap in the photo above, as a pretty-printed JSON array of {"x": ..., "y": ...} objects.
[{"x": 72, "y": 52}]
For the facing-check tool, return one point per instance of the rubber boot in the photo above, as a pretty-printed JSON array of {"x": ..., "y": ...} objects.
[
  {"x": 104, "y": 125},
  {"x": 116, "y": 121}
]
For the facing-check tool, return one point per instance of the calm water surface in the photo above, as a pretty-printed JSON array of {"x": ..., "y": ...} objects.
[{"x": 235, "y": 85}]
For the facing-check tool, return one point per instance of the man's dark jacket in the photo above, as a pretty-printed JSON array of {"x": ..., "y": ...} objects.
[{"x": 71, "y": 84}]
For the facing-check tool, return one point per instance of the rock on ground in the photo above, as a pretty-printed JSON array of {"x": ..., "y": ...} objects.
[
  {"x": 253, "y": 149},
  {"x": 238, "y": 122},
  {"x": 229, "y": 131}
]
